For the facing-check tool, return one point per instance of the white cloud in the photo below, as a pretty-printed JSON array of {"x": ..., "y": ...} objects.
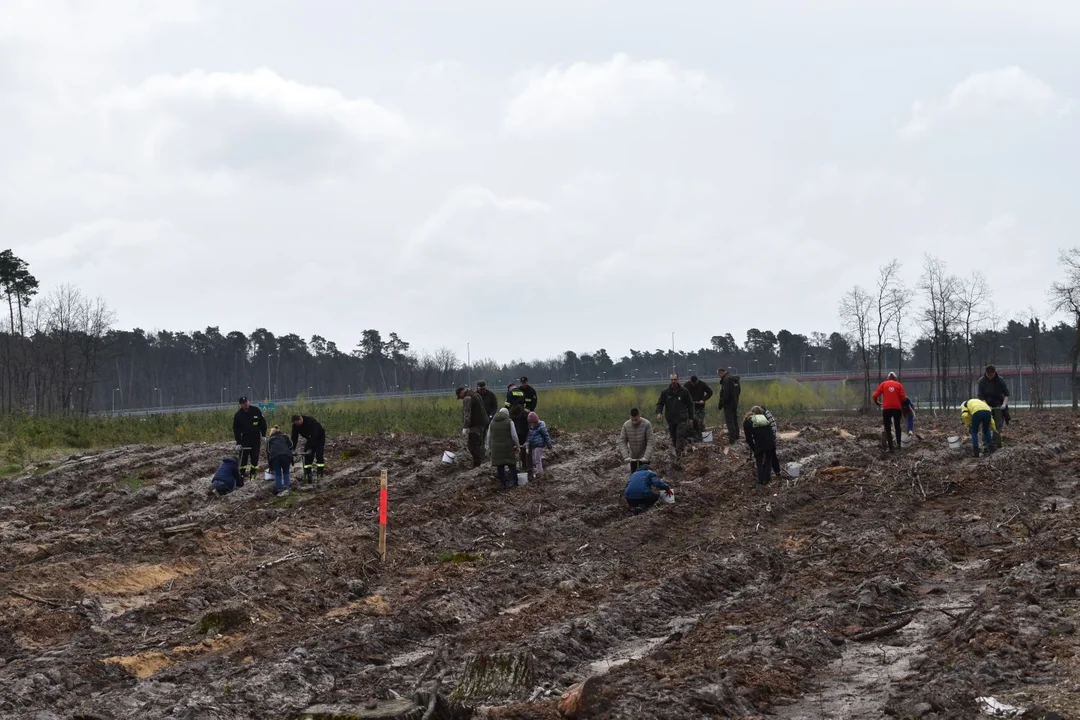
[
  {"x": 97, "y": 244},
  {"x": 1007, "y": 89},
  {"x": 473, "y": 223},
  {"x": 584, "y": 95},
  {"x": 93, "y": 25},
  {"x": 247, "y": 121}
]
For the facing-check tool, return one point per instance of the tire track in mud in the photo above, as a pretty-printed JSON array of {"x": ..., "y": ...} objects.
[{"x": 730, "y": 603}]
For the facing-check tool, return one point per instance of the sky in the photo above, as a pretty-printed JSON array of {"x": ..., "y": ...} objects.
[{"x": 532, "y": 177}]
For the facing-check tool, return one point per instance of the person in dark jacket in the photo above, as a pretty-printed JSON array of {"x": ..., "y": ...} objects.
[
  {"x": 761, "y": 437},
  {"x": 520, "y": 417},
  {"x": 700, "y": 393},
  {"x": 249, "y": 428},
  {"x": 227, "y": 477},
  {"x": 994, "y": 392},
  {"x": 729, "y": 401},
  {"x": 474, "y": 423},
  {"x": 490, "y": 402},
  {"x": 504, "y": 442},
  {"x": 279, "y": 452},
  {"x": 314, "y": 436},
  {"x": 642, "y": 490},
  {"x": 529, "y": 392},
  {"x": 514, "y": 396},
  {"x": 676, "y": 406}
]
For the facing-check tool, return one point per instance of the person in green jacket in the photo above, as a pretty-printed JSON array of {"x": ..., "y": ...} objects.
[{"x": 502, "y": 439}]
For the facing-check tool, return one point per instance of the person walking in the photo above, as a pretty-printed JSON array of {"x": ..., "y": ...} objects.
[
  {"x": 676, "y": 406},
  {"x": 760, "y": 434},
  {"x": 636, "y": 441},
  {"x": 529, "y": 393},
  {"x": 314, "y": 436},
  {"x": 993, "y": 391},
  {"x": 977, "y": 415},
  {"x": 890, "y": 397},
  {"x": 474, "y": 423},
  {"x": 502, "y": 438},
  {"x": 537, "y": 441},
  {"x": 700, "y": 393},
  {"x": 643, "y": 490},
  {"x": 729, "y": 402},
  {"x": 249, "y": 428},
  {"x": 279, "y": 454},
  {"x": 490, "y": 402}
]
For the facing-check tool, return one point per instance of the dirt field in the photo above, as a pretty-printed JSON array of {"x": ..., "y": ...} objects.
[{"x": 872, "y": 585}]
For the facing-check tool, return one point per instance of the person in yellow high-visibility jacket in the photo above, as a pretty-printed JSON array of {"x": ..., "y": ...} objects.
[{"x": 976, "y": 414}]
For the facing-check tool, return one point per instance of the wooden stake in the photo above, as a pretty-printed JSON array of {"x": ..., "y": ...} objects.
[{"x": 382, "y": 515}]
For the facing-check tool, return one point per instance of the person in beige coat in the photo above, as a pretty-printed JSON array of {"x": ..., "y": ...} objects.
[{"x": 636, "y": 440}]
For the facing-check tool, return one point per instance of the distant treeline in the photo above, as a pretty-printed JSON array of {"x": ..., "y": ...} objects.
[{"x": 61, "y": 355}]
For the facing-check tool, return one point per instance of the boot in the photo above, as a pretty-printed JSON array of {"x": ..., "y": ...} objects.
[{"x": 976, "y": 452}]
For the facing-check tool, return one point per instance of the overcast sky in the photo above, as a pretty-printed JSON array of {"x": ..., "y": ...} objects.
[{"x": 532, "y": 177}]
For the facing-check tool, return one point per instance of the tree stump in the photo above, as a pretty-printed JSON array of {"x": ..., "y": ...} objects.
[
  {"x": 581, "y": 699},
  {"x": 502, "y": 675}
]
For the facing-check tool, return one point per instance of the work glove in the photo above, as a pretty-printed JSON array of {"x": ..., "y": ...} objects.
[
  {"x": 668, "y": 492},
  {"x": 464, "y": 432},
  {"x": 239, "y": 449}
]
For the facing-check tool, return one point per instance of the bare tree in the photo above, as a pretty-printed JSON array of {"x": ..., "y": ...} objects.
[
  {"x": 901, "y": 302},
  {"x": 856, "y": 308},
  {"x": 940, "y": 316},
  {"x": 884, "y": 309},
  {"x": 1065, "y": 298},
  {"x": 69, "y": 337},
  {"x": 1035, "y": 393},
  {"x": 974, "y": 310}
]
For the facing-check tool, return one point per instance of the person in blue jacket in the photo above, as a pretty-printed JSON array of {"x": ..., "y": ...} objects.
[
  {"x": 227, "y": 478},
  {"x": 642, "y": 489}
]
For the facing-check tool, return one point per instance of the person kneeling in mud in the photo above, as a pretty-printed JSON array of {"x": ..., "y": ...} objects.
[
  {"x": 502, "y": 438},
  {"x": 227, "y": 477},
  {"x": 643, "y": 489},
  {"x": 761, "y": 437}
]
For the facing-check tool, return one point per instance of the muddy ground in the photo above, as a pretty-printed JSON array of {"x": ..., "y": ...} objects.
[{"x": 733, "y": 602}]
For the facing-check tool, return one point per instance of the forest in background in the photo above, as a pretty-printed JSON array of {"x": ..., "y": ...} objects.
[{"x": 62, "y": 354}]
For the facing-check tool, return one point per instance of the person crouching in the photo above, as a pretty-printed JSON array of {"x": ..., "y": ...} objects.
[
  {"x": 227, "y": 477},
  {"x": 502, "y": 438},
  {"x": 643, "y": 489},
  {"x": 761, "y": 437}
]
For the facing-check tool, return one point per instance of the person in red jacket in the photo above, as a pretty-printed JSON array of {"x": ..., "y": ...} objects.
[{"x": 890, "y": 397}]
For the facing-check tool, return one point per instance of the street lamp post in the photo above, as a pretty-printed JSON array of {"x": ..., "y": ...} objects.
[
  {"x": 115, "y": 390},
  {"x": 223, "y": 391}
]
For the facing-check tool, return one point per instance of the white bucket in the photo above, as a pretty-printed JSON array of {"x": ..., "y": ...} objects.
[
  {"x": 523, "y": 479},
  {"x": 793, "y": 469},
  {"x": 268, "y": 475},
  {"x": 954, "y": 442},
  {"x": 906, "y": 439},
  {"x": 669, "y": 498},
  {"x": 707, "y": 436},
  {"x": 448, "y": 458}
]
